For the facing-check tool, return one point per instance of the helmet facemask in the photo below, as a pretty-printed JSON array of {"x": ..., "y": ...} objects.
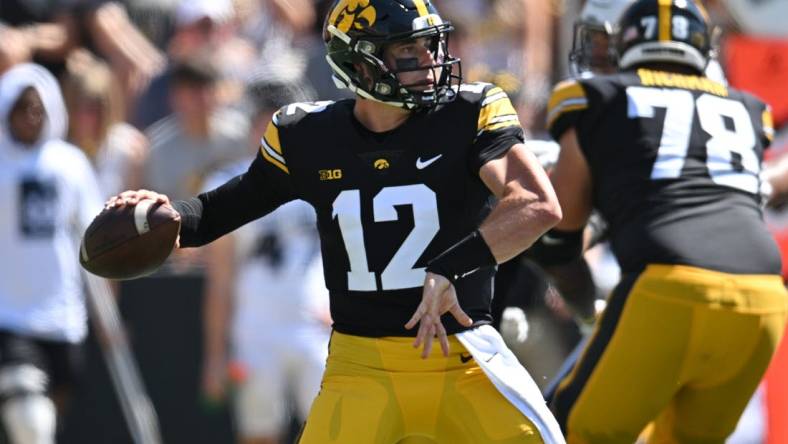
[
  {"x": 593, "y": 49},
  {"x": 359, "y": 64}
]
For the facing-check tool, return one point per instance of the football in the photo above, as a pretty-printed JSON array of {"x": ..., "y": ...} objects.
[{"x": 130, "y": 241}]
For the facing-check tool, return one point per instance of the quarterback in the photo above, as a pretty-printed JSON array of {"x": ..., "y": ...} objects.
[{"x": 421, "y": 186}]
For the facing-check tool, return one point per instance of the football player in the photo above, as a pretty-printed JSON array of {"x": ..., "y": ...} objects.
[
  {"x": 671, "y": 159},
  {"x": 421, "y": 185}
]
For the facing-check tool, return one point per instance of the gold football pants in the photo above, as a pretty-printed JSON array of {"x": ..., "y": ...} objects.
[
  {"x": 678, "y": 346},
  {"x": 379, "y": 390}
]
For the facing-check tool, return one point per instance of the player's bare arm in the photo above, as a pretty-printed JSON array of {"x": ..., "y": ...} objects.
[
  {"x": 527, "y": 205},
  {"x": 571, "y": 179},
  {"x": 776, "y": 174},
  {"x": 561, "y": 254}
]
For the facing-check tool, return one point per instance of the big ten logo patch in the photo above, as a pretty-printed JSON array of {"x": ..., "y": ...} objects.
[
  {"x": 355, "y": 14},
  {"x": 330, "y": 174},
  {"x": 37, "y": 207}
]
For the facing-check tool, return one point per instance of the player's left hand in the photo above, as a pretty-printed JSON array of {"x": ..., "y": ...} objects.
[{"x": 437, "y": 298}]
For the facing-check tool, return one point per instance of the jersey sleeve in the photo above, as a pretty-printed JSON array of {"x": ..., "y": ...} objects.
[
  {"x": 497, "y": 129},
  {"x": 270, "y": 169},
  {"x": 565, "y": 107},
  {"x": 271, "y": 147},
  {"x": 261, "y": 189}
]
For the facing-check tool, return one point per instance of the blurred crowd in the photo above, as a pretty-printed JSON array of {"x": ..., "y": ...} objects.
[{"x": 171, "y": 95}]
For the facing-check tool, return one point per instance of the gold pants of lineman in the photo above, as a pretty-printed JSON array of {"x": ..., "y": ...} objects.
[{"x": 678, "y": 346}]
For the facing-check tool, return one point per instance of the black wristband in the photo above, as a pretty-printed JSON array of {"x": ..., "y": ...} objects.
[
  {"x": 463, "y": 258},
  {"x": 190, "y": 211}
]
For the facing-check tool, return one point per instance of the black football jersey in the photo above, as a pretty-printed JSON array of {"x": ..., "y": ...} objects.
[
  {"x": 675, "y": 161},
  {"x": 387, "y": 203}
]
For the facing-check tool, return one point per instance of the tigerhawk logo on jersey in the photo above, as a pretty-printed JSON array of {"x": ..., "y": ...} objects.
[
  {"x": 356, "y": 14},
  {"x": 381, "y": 164},
  {"x": 330, "y": 174}
]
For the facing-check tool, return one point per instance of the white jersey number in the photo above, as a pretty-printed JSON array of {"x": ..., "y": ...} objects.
[
  {"x": 712, "y": 111},
  {"x": 399, "y": 273}
]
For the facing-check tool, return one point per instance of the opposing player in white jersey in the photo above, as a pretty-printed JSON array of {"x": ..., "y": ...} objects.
[
  {"x": 48, "y": 193},
  {"x": 265, "y": 290}
]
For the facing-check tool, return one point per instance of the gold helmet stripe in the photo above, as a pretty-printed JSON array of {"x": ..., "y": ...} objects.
[
  {"x": 664, "y": 20},
  {"x": 421, "y": 7},
  {"x": 703, "y": 11}
]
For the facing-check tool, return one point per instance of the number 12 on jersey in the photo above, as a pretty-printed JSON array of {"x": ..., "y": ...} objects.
[{"x": 399, "y": 273}]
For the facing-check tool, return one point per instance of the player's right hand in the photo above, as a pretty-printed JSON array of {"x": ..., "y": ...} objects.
[{"x": 132, "y": 197}]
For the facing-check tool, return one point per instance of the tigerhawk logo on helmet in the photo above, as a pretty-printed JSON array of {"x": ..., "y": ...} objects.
[
  {"x": 356, "y": 14},
  {"x": 357, "y": 31}
]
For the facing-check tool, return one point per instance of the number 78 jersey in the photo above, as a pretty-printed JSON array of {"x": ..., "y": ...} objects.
[
  {"x": 675, "y": 162},
  {"x": 387, "y": 203}
]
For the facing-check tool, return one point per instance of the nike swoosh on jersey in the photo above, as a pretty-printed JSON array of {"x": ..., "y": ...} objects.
[{"x": 421, "y": 165}]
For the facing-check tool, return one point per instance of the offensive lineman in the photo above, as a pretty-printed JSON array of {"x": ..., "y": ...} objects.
[{"x": 671, "y": 160}]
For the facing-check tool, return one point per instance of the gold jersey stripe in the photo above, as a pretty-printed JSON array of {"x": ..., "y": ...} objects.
[
  {"x": 421, "y": 7},
  {"x": 501, "y": 125},
  {"x": 493, "y": 110},
  {"x": 566, "y": 90},
  {"x": 492, "y": 99},
  {"x": 272, "y": 137},
  {"x": 664, "y": 19},
  {"x": 768, "y": 124},
  {"x": 270, "y": 158},
  {"x": 493, "y": 91}
]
